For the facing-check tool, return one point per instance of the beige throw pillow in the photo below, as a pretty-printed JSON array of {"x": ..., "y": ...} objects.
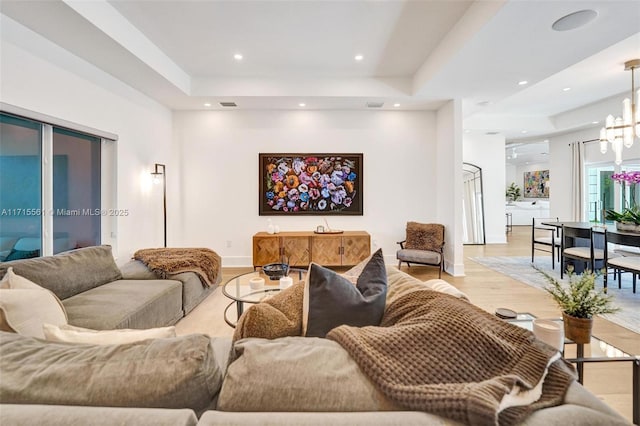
[
  {"x": 25, "y": 306},
  {"x": 72, "y": 334}
]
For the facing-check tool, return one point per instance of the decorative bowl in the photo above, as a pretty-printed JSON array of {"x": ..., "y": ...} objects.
[{"x": 276, "y": 270}]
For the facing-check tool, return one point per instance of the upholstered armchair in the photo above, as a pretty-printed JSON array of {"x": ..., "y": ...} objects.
[{"x": 424, "y": 244}]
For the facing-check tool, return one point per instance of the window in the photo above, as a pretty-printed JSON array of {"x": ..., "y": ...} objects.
[
  {"x": 20, "y": 188},
  {"x": 76, "y": 190},
  {"x": 600, "y": 191},
  {"x": 51, "y": 188}
]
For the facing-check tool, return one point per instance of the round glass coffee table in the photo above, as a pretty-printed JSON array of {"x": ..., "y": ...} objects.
[{"x": 239, "y": 290}]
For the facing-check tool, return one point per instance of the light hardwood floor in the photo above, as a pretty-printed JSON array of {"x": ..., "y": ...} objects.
[{"x": 489, "y": 290}]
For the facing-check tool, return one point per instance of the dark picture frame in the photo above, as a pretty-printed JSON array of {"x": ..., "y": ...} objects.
[{"x": 310, "y": 184}]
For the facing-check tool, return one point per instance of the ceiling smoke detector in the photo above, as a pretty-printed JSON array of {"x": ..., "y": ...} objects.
[
  {"x": 228, "y": 104},
  {"x": 375, "y": 104}
]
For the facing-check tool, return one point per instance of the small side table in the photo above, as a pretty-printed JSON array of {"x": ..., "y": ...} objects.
[
  {"x": 606, "y": 353},
  {"x": 509, "y": 222},
  {"x": 239, "y": 290}
]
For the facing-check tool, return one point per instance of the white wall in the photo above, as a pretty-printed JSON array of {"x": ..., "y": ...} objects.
[
  {"x": 37, "y": 75},
  {"x": 511, "y": 175},
  {"x": 487, "y": 152},
  {"x": 219, "y": 156},
  {"x": 449, "y": 183}
]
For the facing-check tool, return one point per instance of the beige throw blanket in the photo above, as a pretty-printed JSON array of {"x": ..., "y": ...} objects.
[
  {"x": 442, "y": 355},
  {"x": 165, "y": 261}
]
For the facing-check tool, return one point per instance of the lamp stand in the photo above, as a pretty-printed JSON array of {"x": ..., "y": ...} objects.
[{"x": 156, "y": 174}]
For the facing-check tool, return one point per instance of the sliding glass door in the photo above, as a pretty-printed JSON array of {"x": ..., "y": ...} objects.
[
  {"x": 20, "y": 188},
  {"x": 600, "y": 192},
  {"x": 50, "y": 189},
  {"x": 76, "y": 190}
]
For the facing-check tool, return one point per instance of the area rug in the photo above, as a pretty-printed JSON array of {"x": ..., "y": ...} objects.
[{"x": 520, "y": 268}]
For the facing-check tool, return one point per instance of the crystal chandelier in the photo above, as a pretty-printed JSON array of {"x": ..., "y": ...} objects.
[{"x": 621, "y": 131}]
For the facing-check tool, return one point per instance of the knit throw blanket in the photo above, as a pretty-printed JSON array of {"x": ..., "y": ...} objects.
[
  {"x": 439, "y": 354},
  {"x": 166, "y": 261}
]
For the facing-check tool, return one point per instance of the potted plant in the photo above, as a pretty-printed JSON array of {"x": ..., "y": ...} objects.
[
  {"x": 513, "y": 192},
  {"x": 627, "y": 220},
  {"x": 579, "y": 302}
]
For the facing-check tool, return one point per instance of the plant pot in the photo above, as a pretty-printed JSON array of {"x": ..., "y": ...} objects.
[
  {"x": 627, "y": 227},
  {"x": 577, "y": 329}
]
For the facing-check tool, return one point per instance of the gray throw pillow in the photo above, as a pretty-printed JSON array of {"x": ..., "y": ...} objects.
[
  {"x": 331, "y": 300},
  {"x": 68, "y": 273},
  {"x": 178, "y": 372}
]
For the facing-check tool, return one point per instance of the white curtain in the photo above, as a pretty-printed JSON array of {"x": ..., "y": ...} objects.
[{"x": 577, "y": 181}]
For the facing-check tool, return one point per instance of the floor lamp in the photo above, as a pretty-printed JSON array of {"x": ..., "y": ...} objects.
[{"x": 157, "y": 176}]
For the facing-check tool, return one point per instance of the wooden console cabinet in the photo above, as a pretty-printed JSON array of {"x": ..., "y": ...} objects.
[{"x": 302, "y": 248}]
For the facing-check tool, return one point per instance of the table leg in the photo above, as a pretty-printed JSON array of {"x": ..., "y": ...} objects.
[
  {"x": 636, "y": 391},
  {"x": 239, "y": 307},
  {"x": 580, "y": 364}
]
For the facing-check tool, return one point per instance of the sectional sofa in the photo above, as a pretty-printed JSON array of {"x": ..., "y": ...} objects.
[
  {"x": 96, "y": 294},
  {"x": 196, "y": 379}
]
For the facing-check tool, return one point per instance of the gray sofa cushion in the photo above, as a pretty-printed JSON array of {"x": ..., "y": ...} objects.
[
  {"x": 176, "y": 372},
  {"x": 69, "y": 415},
  {"x": 68, "y": 273},
  {"x": 127, "y": 304},
  {"x": 297, "y": 374},
  {"x": 193, "y": 291}
]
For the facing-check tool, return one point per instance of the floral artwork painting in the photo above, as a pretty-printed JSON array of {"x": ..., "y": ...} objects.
[
  {"x": 536, "y": 184},
  {"x": 313, "y": 184}
]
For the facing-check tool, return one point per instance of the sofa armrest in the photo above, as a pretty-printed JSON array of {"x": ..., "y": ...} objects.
[{"x": 136, "y": 270}]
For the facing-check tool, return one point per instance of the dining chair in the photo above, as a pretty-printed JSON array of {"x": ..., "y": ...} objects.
[
  {"x": 621, "y": 263},
  {"x": 549, "y": 237},
  {"x": 570, "y": 250}
]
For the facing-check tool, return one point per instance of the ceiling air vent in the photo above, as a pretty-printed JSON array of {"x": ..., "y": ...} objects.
[
  {"x": 375, "y": 104},
  {"x": 492, "y": 133},
  {"x": 228, "y": 104}
]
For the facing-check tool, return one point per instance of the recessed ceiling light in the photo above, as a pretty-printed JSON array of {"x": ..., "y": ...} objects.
[
  {"x": 524, "y": 131},
  {"x": 594, "y": 122},
  {"x": 207, "y": 104},
  {"x": 302, "y": 104},
  {"x": 523, "y": 82},
  {"x": 575, "y": 20},
  {"x": 467, "y": 131},
  {"x": 566, "y": 89},
  {"x": 546, "y": 141},
  {"x": 396, "y": 105},
  {"x": 358, "y": 57},
  {"x": 237, "y": 57}
]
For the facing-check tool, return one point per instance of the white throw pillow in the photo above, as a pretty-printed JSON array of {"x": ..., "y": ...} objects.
[
  {"x": 444, "y": 287},
  {"x": 72, "y": 334},
  {"x": 25, "y": 306}
]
